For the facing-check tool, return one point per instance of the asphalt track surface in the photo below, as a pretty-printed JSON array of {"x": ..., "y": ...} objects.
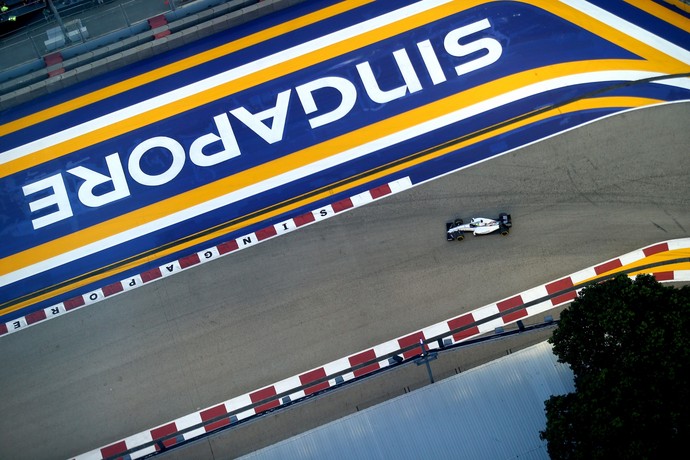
[
  {"x": 228, "y": 327},
  {"x": 145, "y": 191}
]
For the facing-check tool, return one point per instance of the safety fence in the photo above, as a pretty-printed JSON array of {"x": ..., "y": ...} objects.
[
  {"x": 81, "y": 22},
  {"x": 90, "y": 25},
  {"x": 418, "y": 354}
]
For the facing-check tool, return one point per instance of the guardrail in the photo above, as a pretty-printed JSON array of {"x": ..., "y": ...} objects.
[
  {"x": 394, "y": 362},
  {"x": 467, "y": 329},
  {"x": 83, "y": 21},
  {"x": 48, "y": 48}
]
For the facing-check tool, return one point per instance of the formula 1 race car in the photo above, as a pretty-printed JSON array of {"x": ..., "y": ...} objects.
[{"x": 456, "y": 229}]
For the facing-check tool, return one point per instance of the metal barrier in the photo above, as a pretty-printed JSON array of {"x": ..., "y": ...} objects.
[
  {"x": 110, "y": 37},
  {"x": 395, "y": 360},
  {"x": 426, "y": 349},
  {"x": 78, "y": 23}
]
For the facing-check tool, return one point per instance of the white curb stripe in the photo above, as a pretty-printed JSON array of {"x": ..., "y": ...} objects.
[
  {"x": 394, "y": 345},
  {"x": 205, "y": 255}
]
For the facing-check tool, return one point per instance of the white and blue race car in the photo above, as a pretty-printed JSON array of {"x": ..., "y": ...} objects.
[{"x": 456, "y": 229}]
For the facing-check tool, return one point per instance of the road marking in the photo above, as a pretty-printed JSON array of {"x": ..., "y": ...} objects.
[
  {"x": 306, "y": 162},
  {"x": 228, "y": 82},
  {"x": 105, "y": 127},
  {"x": 412, "y": 160},
  {"x": 469, "y": 325},
  {"x": 179, "y": 66},
  {"x": 662, "y": 13},
  {"x": 638, "y": 33},
  {"x": 352, "y": 145}
]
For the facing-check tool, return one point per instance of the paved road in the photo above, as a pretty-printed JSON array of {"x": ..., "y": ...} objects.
[{"x": 231, "y": 326}]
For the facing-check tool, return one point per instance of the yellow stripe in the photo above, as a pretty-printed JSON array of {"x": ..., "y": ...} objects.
[
  {"x": 664, "y": 268},
  {"x": 232, "y": 87},
  {"x": 602, "y": 102},
  {"x": 662, "y": 13},
  {"x": 192, "y": 242},
  {"x": 302, "y": 158},
  {"x": 125, "y": 222},
  {"x": 668, "y": 66},
  {"x": 680, "y": 5},
  {"x": 575, "y": 106},
  {"x": 181, "y": 65},
  {"x": 661, "y": 257},
  {"x": 611, "y": 34}
]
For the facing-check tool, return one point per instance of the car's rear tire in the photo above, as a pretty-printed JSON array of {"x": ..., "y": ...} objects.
[
  {"x": 504, "y": 230},
  {"x": 460, "y": 237},
  {"x": 457, "y": 222}
]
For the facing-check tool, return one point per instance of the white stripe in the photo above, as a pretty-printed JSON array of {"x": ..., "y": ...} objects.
[
  {"x": 187, "y": 420},
  {"x": 484, "y": 312},
  {"x": 436, "y": 330},
  {"x": 383, "y": 349},
  {"x": 678, "y": 82},
  {"x": 534, "y": 294},
  {"x": 281, "y": 387},
  {"x": 238, "y": 402},
  {"x": 92, "y": 455},
  {"x": 393, "y": 345},
  {"x": 681, "y": 275},
  {"x": 334, "y": 367},
  {"x": 137, "y": 440},
  {"x": 219, "y": 79},
  {"x": 631, "y": 257},
  {"x": 321, "y": 165},
  {"x": 680, "y": 243},
  {"x": 584, "y": 274},
  {"x": 490, "y": 326},
  {"x": 631, "y": 29}
]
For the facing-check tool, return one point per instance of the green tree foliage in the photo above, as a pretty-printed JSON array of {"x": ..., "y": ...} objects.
[{"x": 628, "y": 344}]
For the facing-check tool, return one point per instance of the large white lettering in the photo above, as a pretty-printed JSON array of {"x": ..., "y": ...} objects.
[
  {"x": 454, "y": 48},
  {"x": 431, "y": 62},
  {"x": 323, "y": 101},
  {"x": 277, "y": 113},
  {"x": 348, "y": 97},
  {"x": 172, "y": 146},
  {"x": 226, "y": 137},
  {"x": 374, "y": 91},
  {"x": 92, "y": 179},
  {"x": 58, "y": 198}
]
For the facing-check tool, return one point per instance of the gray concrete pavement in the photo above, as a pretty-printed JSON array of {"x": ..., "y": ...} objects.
[{"x": 288, "y": 305}]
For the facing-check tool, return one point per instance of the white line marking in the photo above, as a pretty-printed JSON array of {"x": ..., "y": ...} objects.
[
  {"x": 219, "y": 79},
  {"x": 321, "y": 165},
  {"x": 630, "y": 29}
]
